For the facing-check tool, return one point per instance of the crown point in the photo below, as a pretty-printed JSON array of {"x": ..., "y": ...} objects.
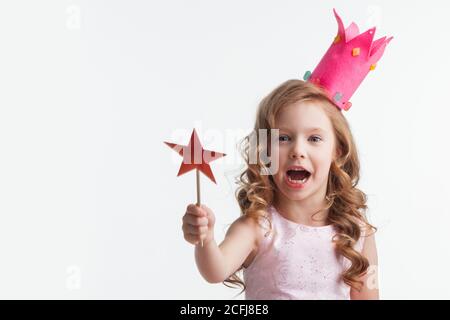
[
  {"x": 372, "y": 67},
  {"x": 347, "y": 105},
  {"x": 307, "y": 75},
  {"x": 355, "y": 52},
  {"x": 338, "y": 96}
]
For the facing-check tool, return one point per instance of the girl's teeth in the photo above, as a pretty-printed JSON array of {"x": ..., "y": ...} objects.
[{"x": 298, "y": 181}]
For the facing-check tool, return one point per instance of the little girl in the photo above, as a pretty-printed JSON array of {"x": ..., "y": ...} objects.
[{"x": 302, "y": 233}]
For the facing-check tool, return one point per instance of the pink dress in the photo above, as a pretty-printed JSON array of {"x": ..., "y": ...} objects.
[{"x": 296, "y": 261}]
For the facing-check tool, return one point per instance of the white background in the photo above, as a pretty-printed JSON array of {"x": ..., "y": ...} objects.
[{"x": 90, "y": 205}]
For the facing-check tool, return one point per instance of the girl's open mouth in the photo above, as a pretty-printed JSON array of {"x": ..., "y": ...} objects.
[{"x": 297, "y": 178}]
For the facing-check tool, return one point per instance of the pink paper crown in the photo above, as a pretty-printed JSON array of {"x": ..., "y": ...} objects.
[{"x": 347, "y": 62}]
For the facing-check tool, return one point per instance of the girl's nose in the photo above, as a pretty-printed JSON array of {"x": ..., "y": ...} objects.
[
  {"x": 297, "y": 155},
  {"x": 297, "y": 152}
]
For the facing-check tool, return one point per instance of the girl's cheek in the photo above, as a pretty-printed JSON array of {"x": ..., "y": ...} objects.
[{"x": 282, "y": 153}]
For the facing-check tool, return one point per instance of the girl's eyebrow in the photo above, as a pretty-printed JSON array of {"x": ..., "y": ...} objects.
[
  {"x": 307, "y": 129},
  {"x": 315, "y": 129}
]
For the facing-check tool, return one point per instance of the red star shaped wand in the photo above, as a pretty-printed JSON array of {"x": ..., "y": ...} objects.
[{"x": 195, "y": 157}]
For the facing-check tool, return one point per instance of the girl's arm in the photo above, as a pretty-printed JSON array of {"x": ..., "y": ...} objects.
[
  {"x": 217, "y": 262},
  {"x": 370, "y": 279}
]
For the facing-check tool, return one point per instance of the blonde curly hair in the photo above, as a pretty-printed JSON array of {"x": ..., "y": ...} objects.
[{"x": 346, "y": 203}]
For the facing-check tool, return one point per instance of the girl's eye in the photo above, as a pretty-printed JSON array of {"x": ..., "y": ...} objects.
[
  {"x": 316, "y": 138},
  {"x": 283, "y": 138}
]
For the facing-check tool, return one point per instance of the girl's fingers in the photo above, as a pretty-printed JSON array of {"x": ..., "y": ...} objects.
[
  {"x": 195, "y": 210},
  {"x": 193, "y": 238},
  {"x": 195, "y": 220},
  {"x": 194, "y": 230}
]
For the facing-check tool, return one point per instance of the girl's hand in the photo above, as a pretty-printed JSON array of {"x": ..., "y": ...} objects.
[{"x": 198, "y": 224}]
